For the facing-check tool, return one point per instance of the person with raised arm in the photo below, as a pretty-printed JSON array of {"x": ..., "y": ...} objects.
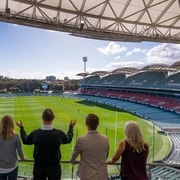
[{"x": 47, "y": 142}]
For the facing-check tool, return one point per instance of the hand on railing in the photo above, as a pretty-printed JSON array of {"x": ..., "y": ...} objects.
[
  {"x": 25, "y": 158},
  {"x": 75, "y": 162}
]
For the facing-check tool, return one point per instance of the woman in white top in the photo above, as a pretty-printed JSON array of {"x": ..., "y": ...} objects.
[{"x": 10, "y": 145}]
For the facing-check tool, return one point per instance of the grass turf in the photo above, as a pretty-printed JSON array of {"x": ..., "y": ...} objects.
[{"x": 29, "y": 109}]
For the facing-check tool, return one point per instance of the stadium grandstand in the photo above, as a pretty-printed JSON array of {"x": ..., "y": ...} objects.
[
  {"x": 157, "y": 85},
  {"x": 152, "y": 92}
]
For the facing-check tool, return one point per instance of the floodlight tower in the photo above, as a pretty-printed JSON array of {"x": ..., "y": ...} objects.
[{"x": 85, "y": 60}]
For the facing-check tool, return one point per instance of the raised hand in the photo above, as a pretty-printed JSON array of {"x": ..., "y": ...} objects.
[
  {"x": 19, "y": 124},
  {"x": 72, "y": 123}
]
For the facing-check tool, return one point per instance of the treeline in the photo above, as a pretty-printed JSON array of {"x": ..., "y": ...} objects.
[{"x": 8, "y": 85}]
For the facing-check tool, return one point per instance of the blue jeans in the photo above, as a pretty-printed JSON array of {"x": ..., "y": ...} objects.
[{"x": 10, "y": 176}]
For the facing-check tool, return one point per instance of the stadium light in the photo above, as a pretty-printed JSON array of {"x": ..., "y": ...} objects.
[{"x": 85, "y": 60}]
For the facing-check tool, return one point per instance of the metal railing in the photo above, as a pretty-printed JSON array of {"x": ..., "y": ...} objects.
[{"x": 156, "y": 171}]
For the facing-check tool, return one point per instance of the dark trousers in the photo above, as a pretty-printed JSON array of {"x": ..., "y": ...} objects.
[
  {"x": 9, "y": 176},
  {"x": 47, "y": 173}
]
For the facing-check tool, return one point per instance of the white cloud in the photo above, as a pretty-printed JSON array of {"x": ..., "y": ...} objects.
[
  {"x": 91, "y": 70},
  {"x": 117, "y": 57},
  {"x": 39, "y": 75},
  {"x": 136, "y": 50},
  {"x": 112, "y": 48},
  {"x": 115, "y": 65},
  {"x": 164, "y": 54},
  {"x": 23, "y": 75}
]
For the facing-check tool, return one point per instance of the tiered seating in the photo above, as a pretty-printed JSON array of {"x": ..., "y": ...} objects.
[
  {"x": 91, "y": 80},
  {"x": 162, "y": 102},
  {"x": 174, "y": 156},
  {"x": 144, "y": 79},
  {"x": 164, "y": 173},
  {"x": 171, "y": 82},
  {"x": 112, "y": 80},
  {"x": 162, "y": 118}
]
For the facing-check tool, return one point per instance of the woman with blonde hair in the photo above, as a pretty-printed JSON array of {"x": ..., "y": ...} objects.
[
  {"x": 133, "y": 151},
  {"x": 10, "y": 145}
]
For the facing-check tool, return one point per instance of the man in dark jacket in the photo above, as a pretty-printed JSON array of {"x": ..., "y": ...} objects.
[{"x": 47, "y": 141}]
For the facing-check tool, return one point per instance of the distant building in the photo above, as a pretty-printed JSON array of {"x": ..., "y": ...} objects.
[
  {"x": 66, "y": 78},
  {"x": 50, "y": 78}
]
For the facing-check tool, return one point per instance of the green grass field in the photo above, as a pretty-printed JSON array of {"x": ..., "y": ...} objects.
[{"x": 29, "y": 109}]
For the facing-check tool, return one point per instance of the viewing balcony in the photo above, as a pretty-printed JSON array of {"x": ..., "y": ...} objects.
[{"x": 156, "y": 171}]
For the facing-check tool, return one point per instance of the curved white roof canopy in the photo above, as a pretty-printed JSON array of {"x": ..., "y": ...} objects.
[{"x": 117, "y": 20}]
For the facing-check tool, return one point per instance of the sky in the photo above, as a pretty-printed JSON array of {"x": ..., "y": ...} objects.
[{"x": 33, "y": 53}]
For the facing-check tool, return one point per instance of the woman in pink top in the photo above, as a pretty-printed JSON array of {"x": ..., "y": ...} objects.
[{"x": 133, "y": 152}]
